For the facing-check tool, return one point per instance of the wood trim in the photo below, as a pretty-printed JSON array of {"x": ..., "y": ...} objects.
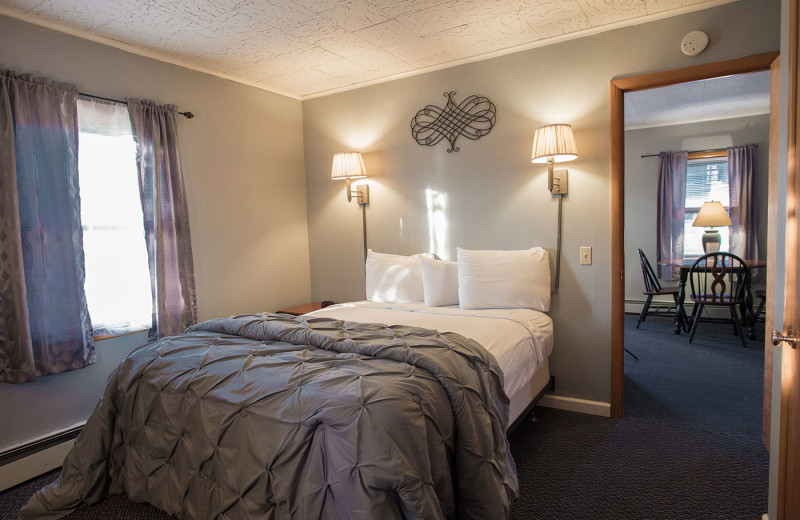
[
  {"x": 708, "y": 155},
  {"x": 109, "y": 336},
  {"x": 618, "y": 250},
  {"x": 772, "y": 227},
  {"x": 787, "y": 500},
  {"x": 755, "y": 63}
]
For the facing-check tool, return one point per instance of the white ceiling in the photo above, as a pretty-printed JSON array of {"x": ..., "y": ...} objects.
[
  {"x": 719, "y": 98},
  {"x": 305, "y": 48}
]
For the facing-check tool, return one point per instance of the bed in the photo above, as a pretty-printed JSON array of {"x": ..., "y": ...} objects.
[
  {"x": 521, "y": 340},
  {"x": 364, "y": 410}
]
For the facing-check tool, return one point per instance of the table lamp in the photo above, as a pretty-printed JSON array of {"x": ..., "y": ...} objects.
[{"x": 712, "y": 214}]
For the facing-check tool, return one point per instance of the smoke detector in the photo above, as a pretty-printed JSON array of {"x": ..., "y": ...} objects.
[{"x": 694, "y": 43}]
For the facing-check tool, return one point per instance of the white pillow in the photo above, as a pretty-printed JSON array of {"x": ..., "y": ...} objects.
[
  {"x": 504, "y": 279},
  {"x": 439, "y": 281},
  {"x": 394, "y": 278}
]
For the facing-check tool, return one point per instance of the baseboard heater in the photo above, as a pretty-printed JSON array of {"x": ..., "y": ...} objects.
[{"x": 41, "y": 444}]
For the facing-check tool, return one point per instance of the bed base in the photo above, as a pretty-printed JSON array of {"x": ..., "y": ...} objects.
[{"x": 528, "y": 412}]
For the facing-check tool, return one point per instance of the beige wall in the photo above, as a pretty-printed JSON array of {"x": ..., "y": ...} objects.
[
  {"x": 242, "y": 159},
  {"x": 641, "y": 180},
  {"x": 495, "y": 197}
]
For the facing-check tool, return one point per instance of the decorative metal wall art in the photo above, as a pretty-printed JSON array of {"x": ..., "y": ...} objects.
[{"x": 473, "y": 118}]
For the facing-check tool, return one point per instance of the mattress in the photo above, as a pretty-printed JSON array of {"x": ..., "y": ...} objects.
[{"x": 521, "y": 340}]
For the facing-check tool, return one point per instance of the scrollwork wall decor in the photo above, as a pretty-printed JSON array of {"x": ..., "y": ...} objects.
[{"x": 473, "y": 118}]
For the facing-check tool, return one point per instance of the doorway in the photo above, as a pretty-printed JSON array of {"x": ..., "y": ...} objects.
[{"x": 619, "y": 87}]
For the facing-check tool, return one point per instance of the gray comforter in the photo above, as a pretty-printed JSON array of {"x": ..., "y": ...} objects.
[{"x": 262, "y": 417}]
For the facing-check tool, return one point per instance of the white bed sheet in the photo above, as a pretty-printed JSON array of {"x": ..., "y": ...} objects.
[{"x": 520, "y": 339}]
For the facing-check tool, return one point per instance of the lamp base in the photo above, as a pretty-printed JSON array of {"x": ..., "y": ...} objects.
[{"x": 711, "y": 241}]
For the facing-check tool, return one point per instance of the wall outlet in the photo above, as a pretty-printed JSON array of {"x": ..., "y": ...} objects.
[{"x": 586, "y": 255}]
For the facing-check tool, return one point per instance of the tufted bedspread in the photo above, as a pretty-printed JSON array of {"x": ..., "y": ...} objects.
[{"x": 272, "y": 417}]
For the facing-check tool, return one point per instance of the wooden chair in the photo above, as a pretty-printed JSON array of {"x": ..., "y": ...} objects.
[
  {"x": 719, "y": 280},
  {"x": 760, "y": 315},
  {"x": 652, "y": 288}
]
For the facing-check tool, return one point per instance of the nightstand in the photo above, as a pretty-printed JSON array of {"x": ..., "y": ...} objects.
[{"x": 304, "y": 309}]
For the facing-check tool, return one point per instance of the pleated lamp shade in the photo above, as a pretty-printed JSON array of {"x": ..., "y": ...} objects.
[
  {"x": 556, "y": 141},
  {"x": 348, "y": 165}
]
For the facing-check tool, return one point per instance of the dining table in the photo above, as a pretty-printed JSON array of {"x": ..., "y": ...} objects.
[{"x": 682, "y": 320}]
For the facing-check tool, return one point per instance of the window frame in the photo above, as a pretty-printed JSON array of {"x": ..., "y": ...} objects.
[{"x": 719, "y": 155}]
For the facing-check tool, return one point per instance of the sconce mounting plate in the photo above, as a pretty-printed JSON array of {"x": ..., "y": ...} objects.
[
  {"x": 560, "y": 182},
  {"x": 361, "y": 193}
]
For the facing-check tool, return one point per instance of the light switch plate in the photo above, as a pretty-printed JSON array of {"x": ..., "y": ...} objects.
[{"x": 586, "y": 255}]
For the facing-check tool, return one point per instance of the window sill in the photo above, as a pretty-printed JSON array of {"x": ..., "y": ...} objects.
[{"x": 109, "y": 336}]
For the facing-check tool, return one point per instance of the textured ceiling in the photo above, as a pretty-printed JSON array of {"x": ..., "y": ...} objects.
[
  {"x": 308, "y": 47},
  {"x": 719, "y": 98}
]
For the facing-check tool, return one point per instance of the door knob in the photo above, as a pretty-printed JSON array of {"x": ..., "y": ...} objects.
[{"x": 778, "y": 337}]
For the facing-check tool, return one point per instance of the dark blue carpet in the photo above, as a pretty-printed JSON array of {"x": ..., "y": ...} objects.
[{"x": 688, "y": 447}]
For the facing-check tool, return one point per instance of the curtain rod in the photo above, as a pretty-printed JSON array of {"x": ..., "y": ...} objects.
[
  {"x": 693, "y": 151},
  {"x": 187, "y": 114}
]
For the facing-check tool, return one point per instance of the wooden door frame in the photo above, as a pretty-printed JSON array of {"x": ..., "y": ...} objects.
[{"x": 755, "y": 63}]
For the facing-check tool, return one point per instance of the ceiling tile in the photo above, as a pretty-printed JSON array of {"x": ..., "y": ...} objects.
[
  {"x": 756, "y": 82},
  {"x": 707, "y": 99},
  {"x": 387, "y": 33},
  {"x": 435, "y": 19},
  {"x": 602, "y": 12},
  {"x": 506, "y": 30},
  {"x": 379, "y": 59},
  {"x": 395, "y": 8},
  {"x": 315, "y": 30},
  {"x": 304, "y": 58},
  {"x": 659, "y": 6},
  {"x": 22, "y": 5},
  {"x": 346, "y": 45},
  {"x": 275, "y": 13},
  {"x": 84, "y": 14},
  {"x": 419, "y": 53},
  {"x": 632, "y": 117},
  {"x": 149, "y": 26},
  {"x": 355, "y": 14},
  {"x": 556, "y": 17},
  {"x": 465, "y": 40},
  {"x": 340, "y": 67},
  {"x": 266, "y": 43},
  {"x": 316, "y": 6}
]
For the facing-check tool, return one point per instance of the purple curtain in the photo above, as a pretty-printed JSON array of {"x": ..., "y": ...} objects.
[
  {"x": 742, "y": 177},
  {"x": 44, "y": 320},
  {"x": 671, "y": 204},
  {"x": 166, "y": 217}
]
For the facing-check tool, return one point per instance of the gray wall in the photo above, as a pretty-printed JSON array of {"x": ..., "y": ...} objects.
[
  {"x": 495, "y": 197},
  {"x": 641, "y": 180},
  {"x": 243, "y": 164}
]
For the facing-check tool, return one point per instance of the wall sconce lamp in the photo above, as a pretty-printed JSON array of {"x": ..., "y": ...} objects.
[
  {"x": 711, "y": 214},
  {"x": 348, "y": 166},
  {"x": 552, "y": 144}
]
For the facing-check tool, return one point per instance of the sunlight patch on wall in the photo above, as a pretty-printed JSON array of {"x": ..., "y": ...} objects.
[{"x": 437, "y": 221}]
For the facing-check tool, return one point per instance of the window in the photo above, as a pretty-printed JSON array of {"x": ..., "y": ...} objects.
[
  {"x": 706, "y": 179},
  {"x": 117, "y": 274}
]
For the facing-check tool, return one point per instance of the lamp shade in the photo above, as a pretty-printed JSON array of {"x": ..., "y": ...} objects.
[
  {"x": 712, "y": 214},
  {"x": 348, "y": 165},
  {"x": 556, "y": 141}
]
